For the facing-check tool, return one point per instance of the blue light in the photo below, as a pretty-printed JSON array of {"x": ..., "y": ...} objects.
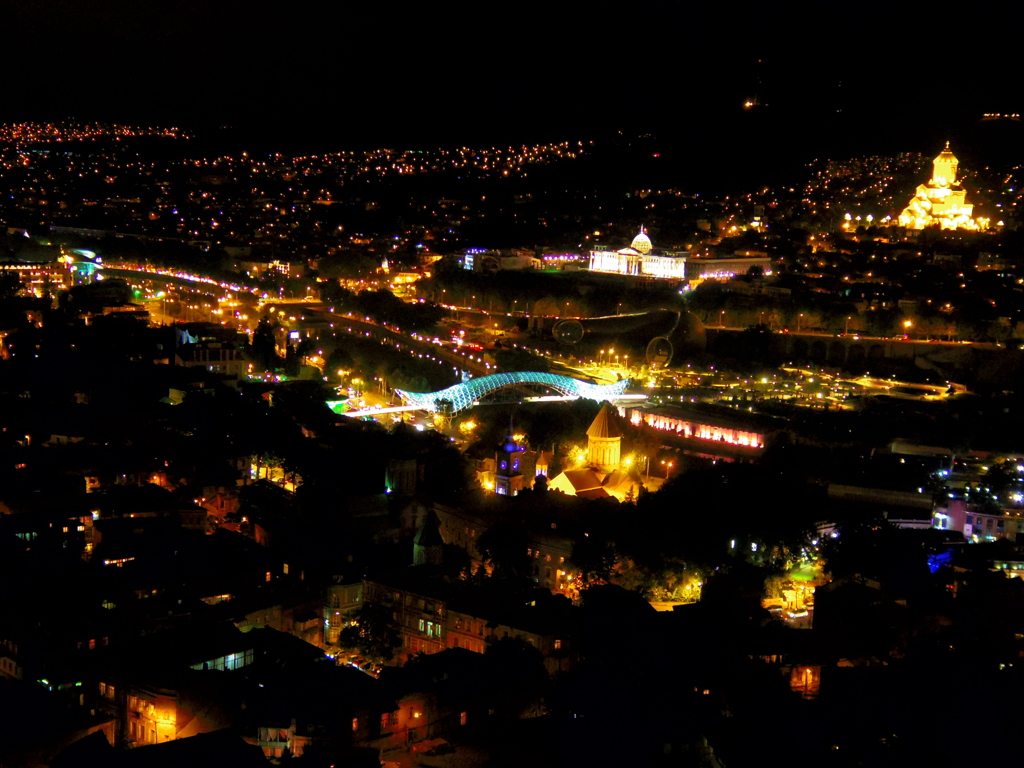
[
  {"x": 464, "y": 395},
  {"x": 939, "y": 560}
]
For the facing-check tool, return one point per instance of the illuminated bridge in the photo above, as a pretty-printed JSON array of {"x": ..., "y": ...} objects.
[{"x": 465, "y": 395}]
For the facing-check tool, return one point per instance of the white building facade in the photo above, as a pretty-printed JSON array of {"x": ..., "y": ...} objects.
[{"x": 639, "y": 259}]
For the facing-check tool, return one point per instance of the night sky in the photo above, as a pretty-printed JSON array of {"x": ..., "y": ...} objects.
[{"x": 372, "y": 72}]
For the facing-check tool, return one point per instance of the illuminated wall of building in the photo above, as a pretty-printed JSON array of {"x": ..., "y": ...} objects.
[
  {"x": 696, "y": 429},
  {"x": 228, "y": 662},
  {"x": 726, "y": 268},
  {"x": 639, "y": 259}
]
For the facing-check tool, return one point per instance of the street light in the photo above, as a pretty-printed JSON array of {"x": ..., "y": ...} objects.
[
  {"x": 846, "y": 328},
  {"x": 799, "y": 321},
  {"x": 721, "y": 319}
]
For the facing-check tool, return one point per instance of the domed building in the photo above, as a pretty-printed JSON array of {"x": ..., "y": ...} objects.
[
  {"x": 641, "y": 243},
  {"x": 941, "y": 200},
  {"x": 640, "y": 258},
  {"x": 601, "y": 473}
]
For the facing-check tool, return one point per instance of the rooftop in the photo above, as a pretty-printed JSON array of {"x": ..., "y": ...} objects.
[{"x": 606, "y": 423}]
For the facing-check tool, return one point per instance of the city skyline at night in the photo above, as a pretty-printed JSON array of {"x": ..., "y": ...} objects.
[{"x": 572, "y": 386}]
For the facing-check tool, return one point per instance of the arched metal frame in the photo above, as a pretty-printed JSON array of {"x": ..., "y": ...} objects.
[{"x": 464, "y": 395}]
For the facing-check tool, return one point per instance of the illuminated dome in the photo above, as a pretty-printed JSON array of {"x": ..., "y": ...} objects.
[
  {"x": 947, "y": 154},
  {"x": 944, "y": 168},
  {"x": 941, "y": 200},
  {"x": 641, "y": 242}
]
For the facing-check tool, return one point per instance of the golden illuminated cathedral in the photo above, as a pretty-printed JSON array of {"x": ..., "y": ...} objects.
[
  {"x": 941, "y": 200},
  {"x": 600, "y": 472}
]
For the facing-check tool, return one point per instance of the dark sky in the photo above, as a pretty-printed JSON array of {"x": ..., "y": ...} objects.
[{"x": 437, "y": 72}]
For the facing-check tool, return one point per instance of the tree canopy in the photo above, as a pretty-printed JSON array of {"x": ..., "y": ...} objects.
[{"x": 371, "y": 632}]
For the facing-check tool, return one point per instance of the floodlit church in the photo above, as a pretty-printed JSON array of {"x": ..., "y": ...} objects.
[
  {"x": 603, "y": 473},
  {"x": 941, "y": 200},
  {"x": 641, "y": 259}
]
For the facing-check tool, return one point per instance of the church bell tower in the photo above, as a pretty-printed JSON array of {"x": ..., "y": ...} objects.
[{"x": 508, "y": 477}]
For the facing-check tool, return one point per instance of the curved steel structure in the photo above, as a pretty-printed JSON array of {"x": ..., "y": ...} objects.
[{"x": 464, "y": 395}]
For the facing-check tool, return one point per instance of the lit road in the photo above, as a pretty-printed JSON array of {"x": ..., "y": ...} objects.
[{"x": 465, "y": 360}]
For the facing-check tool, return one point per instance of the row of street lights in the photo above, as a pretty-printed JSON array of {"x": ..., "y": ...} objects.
[{"x": 605, "y": 357}]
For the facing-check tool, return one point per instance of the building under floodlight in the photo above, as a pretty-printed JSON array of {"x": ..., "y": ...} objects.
[
  {"x": 641, "y": 259},
  {"x": 941, "y": 200}
]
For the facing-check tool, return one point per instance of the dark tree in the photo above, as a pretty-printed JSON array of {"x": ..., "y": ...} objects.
[
  {"x": 504, "y": 546},
  {"x": 515, "y": 676},
  {"x": 595, "y": 557},
  {"x": 10, "y": 284},
  {"x": 456, "y": 562},
  {"x": 371, "y": 632},
  {"x": 339, "y": 360}
]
